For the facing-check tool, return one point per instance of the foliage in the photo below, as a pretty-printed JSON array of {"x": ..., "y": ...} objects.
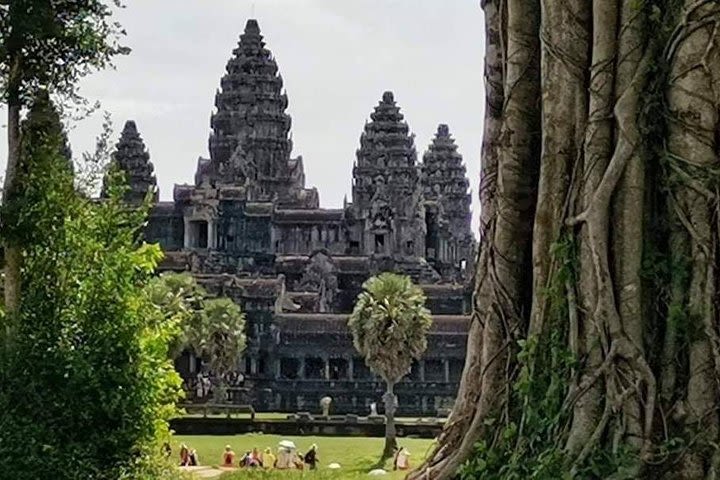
[
  {"x": 221, "y": 337},
  {"x": 212, "y": 328},
  {"x": 390, "y": 324},
  {"x": 179, "y": 299},
  {"x": 51, "y": 44},
  {"x": 87, "y": 385}
]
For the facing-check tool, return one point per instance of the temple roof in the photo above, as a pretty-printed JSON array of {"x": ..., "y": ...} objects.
[{"x": 165, "y": 209}]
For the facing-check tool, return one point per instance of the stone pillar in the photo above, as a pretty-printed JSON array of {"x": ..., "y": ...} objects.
[
  {"x": 278, "y": 372},
  {"x": 253, "y": 365},
  {"x": 350, "y": 369},
  {"x": 186, "y": 236},
  {"x": 421, "y": 365},
  {"x": 423, "y": 404},
  {"x": 314, "y": 237},
  {"x": 326, "y": 373},
  {"x": 212, "y": 235},
  {"x": 301, "y": 369},
  {"x": 446, "y": 365}
]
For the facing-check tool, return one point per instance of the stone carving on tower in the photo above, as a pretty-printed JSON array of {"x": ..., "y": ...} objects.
[
  {"x": 320, "y": 276},
  {"x": 387, "y": 189},
  {"x": 133, "y": 159},
  {"x": 250, "y": 144},
  {"x": 449, "y": 239}
]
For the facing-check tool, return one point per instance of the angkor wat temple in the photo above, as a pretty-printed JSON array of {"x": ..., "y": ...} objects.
[{"x": 249, "y": 228}]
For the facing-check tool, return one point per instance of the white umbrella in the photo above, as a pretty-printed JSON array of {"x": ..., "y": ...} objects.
[{"x": 287, "y": 444}]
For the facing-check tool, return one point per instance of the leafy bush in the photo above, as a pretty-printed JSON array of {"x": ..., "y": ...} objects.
[{"x": 87, "y": 386}]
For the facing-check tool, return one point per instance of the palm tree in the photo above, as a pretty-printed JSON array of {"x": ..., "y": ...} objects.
[
  {"x": 212, "y": 328},
  {"x": 389, "y": 326}
]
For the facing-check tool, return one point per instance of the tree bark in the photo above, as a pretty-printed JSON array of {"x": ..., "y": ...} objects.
[
  {"x": 694, "y": 100},
  {"x": 390, "y": 431},
  {"x": 13, "y": 253}
]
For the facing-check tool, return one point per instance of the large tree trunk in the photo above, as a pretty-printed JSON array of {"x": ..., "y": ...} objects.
[{"x": 598, "y": 244}]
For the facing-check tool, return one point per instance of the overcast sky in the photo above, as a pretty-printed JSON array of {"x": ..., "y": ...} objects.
[{"x": 336, "y": 58}]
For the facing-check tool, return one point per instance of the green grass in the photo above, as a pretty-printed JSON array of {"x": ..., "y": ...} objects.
[{"x": 356, "y": 455}]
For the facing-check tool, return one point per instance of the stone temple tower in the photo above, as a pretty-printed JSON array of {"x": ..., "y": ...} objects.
[
  {"x": 250, "y": 144},
  {"x": 133, "y": 158},
  {"x": 449, "y": 240},
  {"x": 387, "y": 187}
]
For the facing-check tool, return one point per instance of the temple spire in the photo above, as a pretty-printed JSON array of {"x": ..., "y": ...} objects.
[
  {"x": 250, "y": 129},
  {"x": 133, "y": 159},
  {"x": 387, "y": 190},
  {"x": 447, "y": 202}
]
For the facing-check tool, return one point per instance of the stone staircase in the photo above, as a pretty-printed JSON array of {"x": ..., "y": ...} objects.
[{"x": 420, "y": 271}]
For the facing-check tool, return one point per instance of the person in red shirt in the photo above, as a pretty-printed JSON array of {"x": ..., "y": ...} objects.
[{"x": 228, "y": 457}]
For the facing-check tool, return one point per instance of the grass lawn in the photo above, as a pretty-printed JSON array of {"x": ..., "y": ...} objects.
[{"x": 356, "y": 455}]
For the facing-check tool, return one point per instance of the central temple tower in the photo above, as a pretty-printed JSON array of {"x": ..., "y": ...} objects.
[{"x": 250, "y": 144}]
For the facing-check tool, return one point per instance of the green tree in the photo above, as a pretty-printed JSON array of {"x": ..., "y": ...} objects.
[
  {"x": 46, "y": 44},
  {"x": 389, "y": 326},
  {"x": 87, "y": 387},
  {"x": 211, "y": 328},
  {"x": 180, "y": 300}
]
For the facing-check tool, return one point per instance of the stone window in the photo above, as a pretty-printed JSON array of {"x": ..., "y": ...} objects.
[
  {"x": 360, "y": 370},
  {"x": 409, "y": 247},
  {"x": 338, "y": 369},
  {"x": 198, "y": 234},
  {"x": 434, "y": 370},
  {"x": 354, "y": 247},
  {"x": 379, "y": 243},
  {"x": 314, "y": 368},
  {"x": 290, "y": 368}
]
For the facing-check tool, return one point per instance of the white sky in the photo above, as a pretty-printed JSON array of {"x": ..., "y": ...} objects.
[{"x": 336, "y": 58}]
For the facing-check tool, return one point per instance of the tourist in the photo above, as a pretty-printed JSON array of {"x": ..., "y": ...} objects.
[
  {"x": 194, "y": 459},
  {"x": 402, "y": 459},
  {"x": 199, "y": 393},
  {"x": 257, "y": 457},
  {"x": 300, "y": 461},
  {"x": 249, "y": 460},
  {"x": 184, "y": 455},
  {"x": 269, "y": 459},
  {"x": 311, "y": 458},
  {"x": 228, "y": 457}
]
